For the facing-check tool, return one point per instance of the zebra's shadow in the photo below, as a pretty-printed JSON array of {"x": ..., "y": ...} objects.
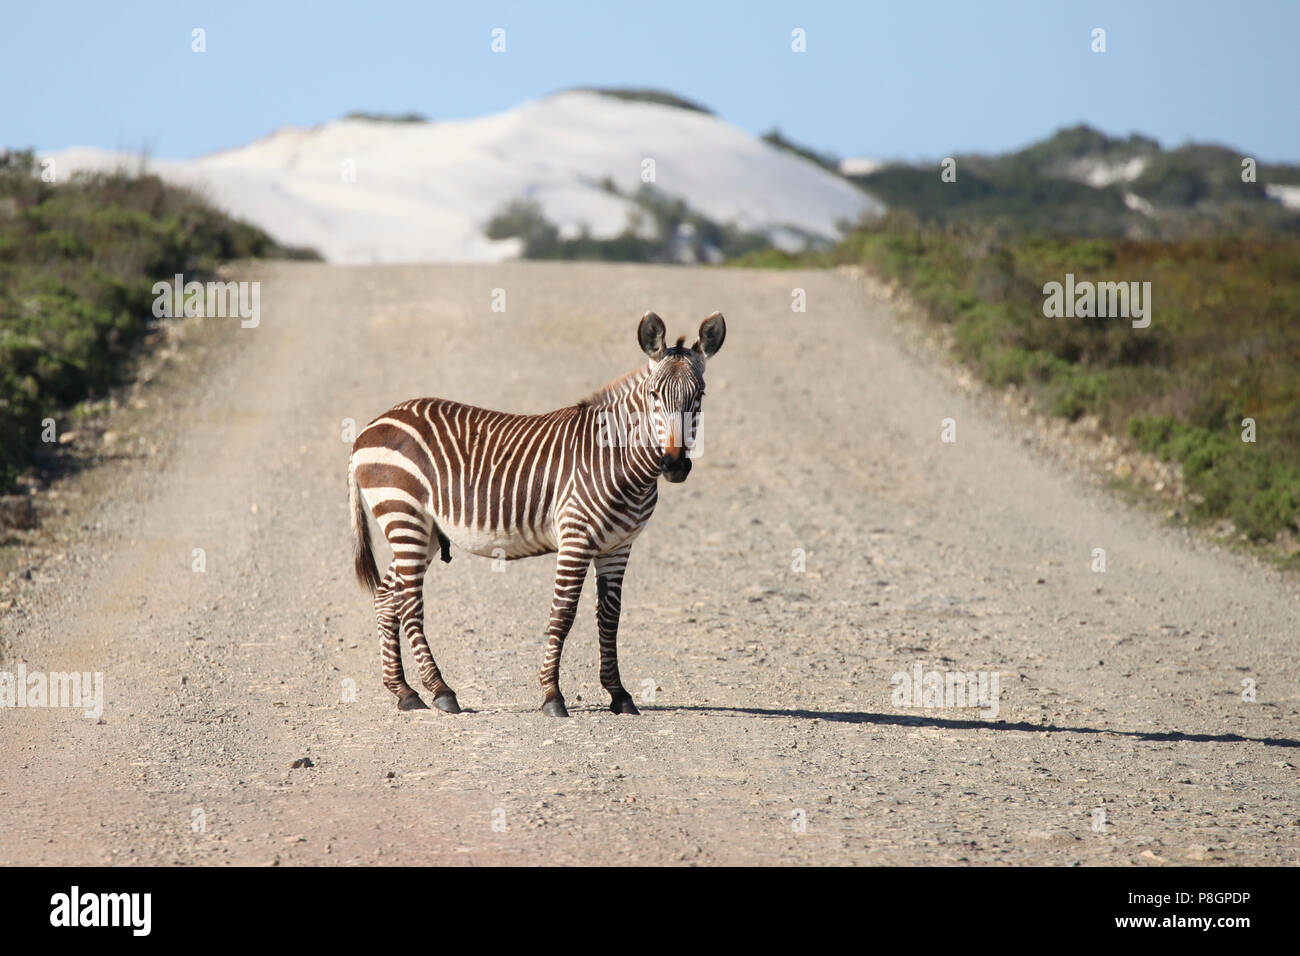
[{"x": 909, "y": 720}]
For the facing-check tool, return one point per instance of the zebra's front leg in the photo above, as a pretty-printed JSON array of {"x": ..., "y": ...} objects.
[
  {"x": 570, "y": 568},
  {"x": 609, "y": 588}
]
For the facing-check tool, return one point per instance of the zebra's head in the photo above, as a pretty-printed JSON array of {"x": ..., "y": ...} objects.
[{"x": 675, "y": 387}]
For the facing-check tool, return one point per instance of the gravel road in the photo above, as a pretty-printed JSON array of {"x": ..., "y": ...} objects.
[{"x": 827, "y": 540}]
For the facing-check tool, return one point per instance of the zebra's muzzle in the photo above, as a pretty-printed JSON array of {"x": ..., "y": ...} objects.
[{"x": 675, "y": 469}]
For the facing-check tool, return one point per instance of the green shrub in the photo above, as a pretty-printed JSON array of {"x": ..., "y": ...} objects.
[
  {"x": 1254, "y": 485},
  {"x": 677, "y": 229},
  {"x": 1222, "y": 345},
  {"x": 77, "y": 265},
  {"x": 646, "y": 95}
]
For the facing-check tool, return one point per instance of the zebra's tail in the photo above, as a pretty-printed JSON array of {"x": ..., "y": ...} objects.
[{"x": 363, "y": 558}]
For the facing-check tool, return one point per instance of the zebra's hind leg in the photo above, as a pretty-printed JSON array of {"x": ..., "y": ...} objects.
[
  {"x": 410, "y": 582},
  {"x": 407, "y": 530},
  {"x": 390, "y": 646}
]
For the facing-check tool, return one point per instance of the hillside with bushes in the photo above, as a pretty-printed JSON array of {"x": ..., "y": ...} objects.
[{"x": 78, "y": 262}]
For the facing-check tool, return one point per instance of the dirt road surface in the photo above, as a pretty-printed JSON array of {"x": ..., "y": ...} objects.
[{"x": 770, "y": 733}]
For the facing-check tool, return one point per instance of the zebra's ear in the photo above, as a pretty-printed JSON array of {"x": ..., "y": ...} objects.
[
  {"x": 712, "y": 331},
  {"x": 650, "y": 335}
]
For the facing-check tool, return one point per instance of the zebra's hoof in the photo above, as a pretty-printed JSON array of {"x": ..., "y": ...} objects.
[
  {"x": 447, "y": 703},
  {"x": 623, "y": 705},
  {"x": 555, "y": 707},
  {"x": 411, "y": 702}
]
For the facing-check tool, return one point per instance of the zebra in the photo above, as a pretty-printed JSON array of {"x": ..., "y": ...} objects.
[{"x": 570, "y": 482}]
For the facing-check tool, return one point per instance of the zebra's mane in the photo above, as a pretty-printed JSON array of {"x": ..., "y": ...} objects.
[{"x": 612, "y": 392}]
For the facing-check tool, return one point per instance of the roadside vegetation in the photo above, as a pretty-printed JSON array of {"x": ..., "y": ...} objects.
[
  {"x": 78, "y": 261},
  {"x": 1223, "y": 344}
]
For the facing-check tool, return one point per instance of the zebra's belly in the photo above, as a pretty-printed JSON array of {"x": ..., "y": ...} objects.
[{"x": 497, "y": 543}]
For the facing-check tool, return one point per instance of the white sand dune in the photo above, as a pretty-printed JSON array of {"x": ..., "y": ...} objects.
[
  {"x": 424, "y": 191},
  {"x": 1288, "y": 196},
  {"x": 1099, "y": 173},
  {"x": 860, "y": 165}
]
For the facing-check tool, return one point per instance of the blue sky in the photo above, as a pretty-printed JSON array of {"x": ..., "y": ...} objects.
[{"x": 886, "y": 79}]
